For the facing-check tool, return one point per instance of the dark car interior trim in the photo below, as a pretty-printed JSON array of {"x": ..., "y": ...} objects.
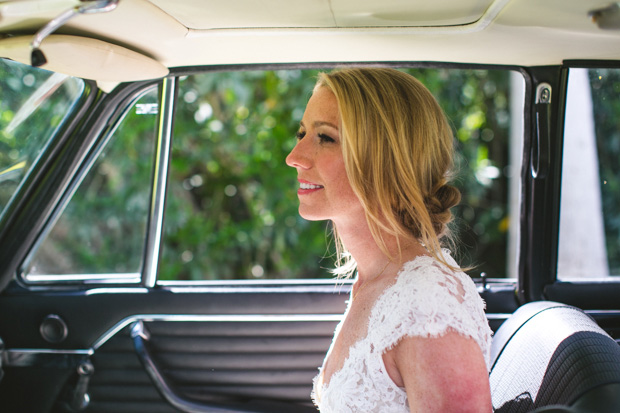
[{"x": 540, "y": 195}]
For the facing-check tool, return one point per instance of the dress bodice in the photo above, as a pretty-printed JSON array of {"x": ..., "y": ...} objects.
[{"x": 426, "y": 300}]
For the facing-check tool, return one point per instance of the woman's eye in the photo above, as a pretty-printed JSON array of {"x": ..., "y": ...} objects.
[
  {"x": 325, "y": 138},
  {"x": 300, "y": 135}
]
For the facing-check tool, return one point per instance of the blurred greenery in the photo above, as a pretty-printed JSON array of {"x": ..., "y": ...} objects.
[
  {"x": 34, "y": 103},
  {"x": 232, "y": 205},
  {"x": 103, "y": 229},
  {"x": 231, "y": 210}
]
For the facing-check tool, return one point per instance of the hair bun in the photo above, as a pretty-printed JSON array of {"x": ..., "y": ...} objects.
[{"x": 438, "y": 205}]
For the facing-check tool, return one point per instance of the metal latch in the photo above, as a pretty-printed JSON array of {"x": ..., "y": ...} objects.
[{"x": 76, "y": 397}]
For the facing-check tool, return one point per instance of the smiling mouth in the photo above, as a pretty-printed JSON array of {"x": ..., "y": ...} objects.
[
  {"x": 303, "y": 185},
  {"x": 306, "y": 188}
]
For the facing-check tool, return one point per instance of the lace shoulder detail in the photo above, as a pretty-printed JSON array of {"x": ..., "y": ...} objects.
[{"x": 426, "y": 300}]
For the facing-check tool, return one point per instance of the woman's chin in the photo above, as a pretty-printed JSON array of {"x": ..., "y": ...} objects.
[{"x": 310, "y": 215}]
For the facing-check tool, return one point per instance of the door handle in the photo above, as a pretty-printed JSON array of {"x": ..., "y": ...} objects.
[
  {"x": 140, "y": 336},
  {"x": 540, "y": 147}
]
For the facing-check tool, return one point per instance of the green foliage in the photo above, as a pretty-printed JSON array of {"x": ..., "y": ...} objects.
[
  {"x": 231, "y": 209},
  {"x": 34, "y": 103},
  {"x": 476, "y": 103},
  {"x": 232, "y": 206},
  {"x": 103, "y": 228}
]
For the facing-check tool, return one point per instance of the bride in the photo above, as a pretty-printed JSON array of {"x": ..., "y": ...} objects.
[{"x": 373, "y": 155}]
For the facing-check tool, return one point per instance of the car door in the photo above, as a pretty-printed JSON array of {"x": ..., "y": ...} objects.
[
  {"x": 152, "y": 260},
  {"x": 578, "y": 242}
]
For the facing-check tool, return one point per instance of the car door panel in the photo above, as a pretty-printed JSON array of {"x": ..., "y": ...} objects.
[
  {"x": 216, "y": 345},
  {"x": 220, "y": 347}
]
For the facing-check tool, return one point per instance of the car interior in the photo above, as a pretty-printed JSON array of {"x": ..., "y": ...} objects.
[{"x": 152, "y": 258}]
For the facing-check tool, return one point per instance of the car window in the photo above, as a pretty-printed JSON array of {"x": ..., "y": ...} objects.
[
  {"x": 231, "y": 209},
  {"x": 101, "y": 231},
  {"x": 33, "y": 106},
  {"x": 590, "y": 205}
]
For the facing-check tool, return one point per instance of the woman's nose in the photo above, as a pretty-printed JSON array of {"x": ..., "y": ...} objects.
[{"x": 296, "y": 158}]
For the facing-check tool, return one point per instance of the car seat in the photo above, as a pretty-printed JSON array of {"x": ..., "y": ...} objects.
[{"x": 551, "y": 357}]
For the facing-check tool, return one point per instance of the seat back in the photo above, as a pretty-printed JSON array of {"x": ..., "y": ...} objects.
[{"x": 552, "y": 354}]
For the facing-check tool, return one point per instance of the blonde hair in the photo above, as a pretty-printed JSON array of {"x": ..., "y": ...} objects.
[{"x": 398, "y": 148}]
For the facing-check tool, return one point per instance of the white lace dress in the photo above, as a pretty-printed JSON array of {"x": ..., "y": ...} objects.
[{"x": 426, "y": 300}]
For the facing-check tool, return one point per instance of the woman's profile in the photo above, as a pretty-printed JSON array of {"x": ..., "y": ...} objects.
[{"x": 374, "y": 156}]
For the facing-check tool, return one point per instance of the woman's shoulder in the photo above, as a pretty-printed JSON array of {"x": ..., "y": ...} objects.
[
  {"x": 427, "y": 299},
  {"x": 425, "y": 274},
  {"x": 423, "y": 286}
]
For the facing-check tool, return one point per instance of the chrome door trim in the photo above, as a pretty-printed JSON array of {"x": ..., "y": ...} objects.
[
  {"x": 498, "y": 316},
  {"x": 214, "y": 318},
  {"x": 44, "y": 357},
  {"x": 160, "y": 181}
]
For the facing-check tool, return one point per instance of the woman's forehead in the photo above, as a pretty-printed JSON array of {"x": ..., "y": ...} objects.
[{"x": 322, "y": 109}]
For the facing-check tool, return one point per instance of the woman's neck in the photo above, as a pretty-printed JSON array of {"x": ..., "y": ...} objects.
[{"x": 370, "y": 258}]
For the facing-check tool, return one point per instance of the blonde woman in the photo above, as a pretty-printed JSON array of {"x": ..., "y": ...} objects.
[{"x": 373, "y": 155}]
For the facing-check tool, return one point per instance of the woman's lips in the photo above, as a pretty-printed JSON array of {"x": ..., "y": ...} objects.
[{"x": 306, "y": 187}]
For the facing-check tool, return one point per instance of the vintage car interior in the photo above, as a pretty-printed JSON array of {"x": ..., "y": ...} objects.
[{"x": 151, "y": 257}]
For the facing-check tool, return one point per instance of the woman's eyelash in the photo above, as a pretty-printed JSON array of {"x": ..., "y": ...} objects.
[
  {"x": 323, "y": 138},
  {"x": 326, "y": 138}
]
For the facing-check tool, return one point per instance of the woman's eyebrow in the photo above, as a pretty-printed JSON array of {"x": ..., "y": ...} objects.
[
  {"x": 320, "y": 123},
  {"x": 324, "y": 123}
]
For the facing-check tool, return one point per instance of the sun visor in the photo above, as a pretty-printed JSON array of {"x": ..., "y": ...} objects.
[{"x": 86, "y": 58}]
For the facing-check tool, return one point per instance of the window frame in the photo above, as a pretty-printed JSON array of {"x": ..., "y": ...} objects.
[
  {"x": 503, "y": 283},
  {"x": 588, "y": 294},
  {"x": 98, "y": 148},
  {"x": 97, "y": 119}
]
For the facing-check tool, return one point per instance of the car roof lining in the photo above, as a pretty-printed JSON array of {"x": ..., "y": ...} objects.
[
  {"x": 208, "y": 15},
  {"x": 186, "y": 32}
]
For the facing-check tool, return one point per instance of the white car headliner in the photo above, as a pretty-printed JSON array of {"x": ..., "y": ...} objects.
[{"x": 216, "y": 32}]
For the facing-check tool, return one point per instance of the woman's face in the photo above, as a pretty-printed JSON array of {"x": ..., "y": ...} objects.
[{"x": 324, "y": 190}]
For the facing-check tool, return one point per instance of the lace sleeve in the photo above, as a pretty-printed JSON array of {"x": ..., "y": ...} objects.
[{"x": 427, "y": 300}]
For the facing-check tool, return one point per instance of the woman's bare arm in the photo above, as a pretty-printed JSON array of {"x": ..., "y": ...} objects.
[{"x": 444, "y": 374}]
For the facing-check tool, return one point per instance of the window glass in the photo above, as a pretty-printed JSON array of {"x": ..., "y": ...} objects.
[
  {"x": 33, "y": 104},
  {"x": 231, "y": 210},
  {"x": 589, "y": 244},
  {"x": 101, "y": 231}
]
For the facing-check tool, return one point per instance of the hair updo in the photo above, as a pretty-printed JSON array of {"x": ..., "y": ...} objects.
[
  {"x": 398, "y": 153},
  {"x": 438, "y": 206}
]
